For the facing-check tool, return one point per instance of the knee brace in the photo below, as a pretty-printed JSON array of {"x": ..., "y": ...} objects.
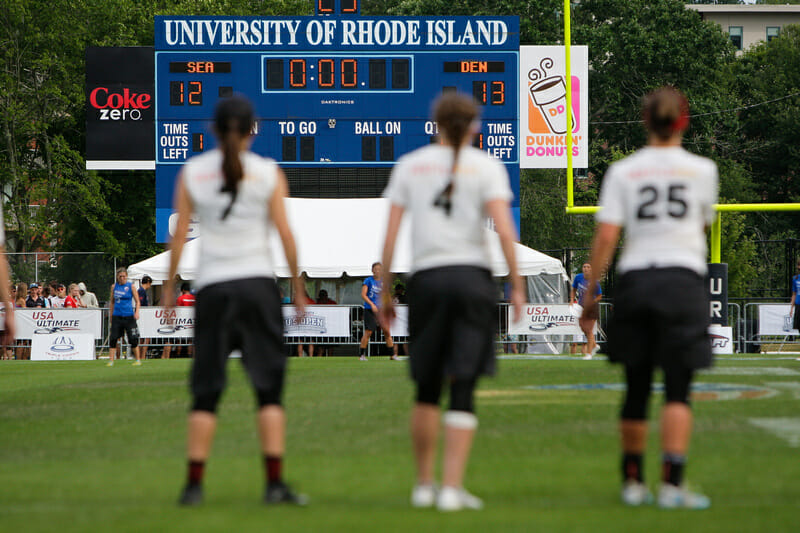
[
  {"x": 206, "y": 402},
  {"x": 429, "y": 392},
  {"x": 461, "y": 395}
]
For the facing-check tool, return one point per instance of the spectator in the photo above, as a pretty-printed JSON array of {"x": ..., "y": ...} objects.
[
  {"x": 186, "y": 299},
  {"x": 21, "y": 351},
  {"x": 89, "y": 299},
  {"x": 73, "y": 299},
  {"x": 22, "y": 292},
  {"x": 124, "y": 310},
  {"x": 322, "y": 299},
  {"x": 144, "y": 301},
  {"x": 576, "y": 296},
  {"x": 144, "y": 286},
  {"x": 371, "y": 294},
  {"x": 34, "y": 298},
  {"x": 57, "y": 301}
]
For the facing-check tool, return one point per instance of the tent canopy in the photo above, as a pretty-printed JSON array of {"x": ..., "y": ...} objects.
[{"x": 343, "y": 237}]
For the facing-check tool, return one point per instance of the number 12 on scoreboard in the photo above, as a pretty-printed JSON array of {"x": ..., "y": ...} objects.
[{"x": 193, "y": 91}]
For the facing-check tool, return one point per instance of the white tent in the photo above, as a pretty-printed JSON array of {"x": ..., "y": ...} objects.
[{"x": 344, "y": 237}]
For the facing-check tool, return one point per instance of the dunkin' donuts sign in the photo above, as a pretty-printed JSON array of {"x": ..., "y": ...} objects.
[{"x": 545, "y": 120}]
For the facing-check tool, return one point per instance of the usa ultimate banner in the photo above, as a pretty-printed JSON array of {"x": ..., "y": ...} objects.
[{"x": 32, "y": 322}]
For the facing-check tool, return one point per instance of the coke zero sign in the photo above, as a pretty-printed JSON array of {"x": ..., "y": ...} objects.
[{"x": 120, "y": 108}]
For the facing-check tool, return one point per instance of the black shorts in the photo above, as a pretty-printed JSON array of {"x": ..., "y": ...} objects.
[
  {"x": 370, "y": 321},
  {"x": 243, "y": 315},
  {"x": 661, "y": 318},
  {"x": 452, "y": 320},
  {"x": 120, "y": 325}
]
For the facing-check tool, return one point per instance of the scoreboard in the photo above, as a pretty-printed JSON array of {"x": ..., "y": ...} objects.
[{"x": 331, "y": 92}]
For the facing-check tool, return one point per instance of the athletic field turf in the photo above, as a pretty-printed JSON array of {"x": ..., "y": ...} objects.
[{"x": 84, "y": 447}]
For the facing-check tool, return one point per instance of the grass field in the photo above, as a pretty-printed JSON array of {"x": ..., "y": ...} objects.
[{"x": 84, "y": 447}]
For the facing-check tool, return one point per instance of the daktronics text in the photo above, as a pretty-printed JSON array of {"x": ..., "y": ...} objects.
[{"x": 126, "y": 105}]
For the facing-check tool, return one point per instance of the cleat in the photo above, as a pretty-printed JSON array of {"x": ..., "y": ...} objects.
[
  {"x": 595, "y": 349},
  {"x": 672, "y": 497},
  {"x": 110, "y": 363},
  {"x": 453, "y": 499},
  {"x": 137, "y": 363},
  {"x": 587, "y": 357},
  {"x": 636, "y": 494},
  {"x": 362, "y": 358},
  {"x": 423, "y": 496},
  {"x": 394, "y": 358},
  {"x": 281, "y": 493},
  {"x": 192, "y": 496}
]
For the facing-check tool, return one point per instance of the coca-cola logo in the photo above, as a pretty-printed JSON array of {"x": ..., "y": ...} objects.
[{"x": 124, "y": 105}]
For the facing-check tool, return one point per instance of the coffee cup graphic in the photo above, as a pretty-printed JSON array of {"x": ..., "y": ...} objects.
[{"x": 550, "y": 96}]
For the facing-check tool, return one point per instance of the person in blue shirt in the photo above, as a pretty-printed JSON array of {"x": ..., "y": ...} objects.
[
  {"x": 576, "y": 295},
  {"x": 124, "y": 310},
  {"x": 795, "y": 304},
  {"x": 371, "y": 294}
]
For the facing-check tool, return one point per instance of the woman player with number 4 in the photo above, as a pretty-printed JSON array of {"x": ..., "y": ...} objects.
[
  {"x": 449, "y": 190},
  {"x": 663, "y": 197}
]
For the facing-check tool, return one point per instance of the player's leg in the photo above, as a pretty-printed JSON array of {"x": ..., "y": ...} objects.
[
  {"x": 132, "y": 331},
  {"x": 362, "y": 348},
  {"x": 676, "y": 429},
  {"x": 207, "y": 381},
  {"x": 390, "y": 343},
  {"x": 425, "y": 430},
  {"x": 115, "y": 333},
  {"x": 633, "y": 433},
  {"x": 460, "y": 424},
  {"x": 587, "y": 327}
]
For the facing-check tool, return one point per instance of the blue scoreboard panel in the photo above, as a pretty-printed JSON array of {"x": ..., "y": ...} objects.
[{"x": 331, "y": 92}]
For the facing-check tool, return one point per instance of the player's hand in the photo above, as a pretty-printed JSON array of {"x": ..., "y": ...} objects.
[
  {"x": 517, "y": 301},
  {"x": 300, "y": 297},
  {"x": 386, "y": 315},
  {"x": 10, "y": 331},
  {"x": 591, "y": 311},
  {"x": 374, "y": 308}
]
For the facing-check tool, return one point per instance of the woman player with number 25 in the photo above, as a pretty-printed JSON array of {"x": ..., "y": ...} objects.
[{"x": 663, "y": 197}]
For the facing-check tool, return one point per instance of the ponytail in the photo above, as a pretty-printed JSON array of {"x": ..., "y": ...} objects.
[
  {"x": 665, "y": 112},
  {"x": 233, "y": 122},
  {"x": 454, "y": 113}
]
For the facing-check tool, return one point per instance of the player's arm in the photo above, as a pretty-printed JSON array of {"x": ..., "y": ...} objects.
[
  {"x": 277, "y": 213},
  {"x": 792, "y": 306},
  {"x": 137, "y": 304},
  {"x": 111, "y": 303},
  {"x": 571, "y": 294},
  {"x": 606, "y": 237},
  {"x": 183, "y": 206},
  {"x": 364, "y": 290},
  {"x": 5, "y": 294},
  {"x": 392, "y": 229},
  {"x": 500, "y": 212}
]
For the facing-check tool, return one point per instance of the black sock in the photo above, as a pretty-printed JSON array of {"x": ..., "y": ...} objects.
[
  {"x": 672, "y": 468},
  {"x": 195, "y": 472},
  {"x": 273, "y": 466},
  {"x": 362, "y": 351},
  {"x": 632, "y": 467}
]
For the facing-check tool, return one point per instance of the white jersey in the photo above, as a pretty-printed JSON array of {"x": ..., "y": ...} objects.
[
  {"x": 663, "y": 197},
  {"x": 439, "y": 239},
  {"x": 237, "y": 247}
]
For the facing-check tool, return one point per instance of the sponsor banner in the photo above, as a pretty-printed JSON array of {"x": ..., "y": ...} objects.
[
  {"x": 774, "y": 319},
  {"x": 543, "y": 116},
  {"x": 160, "y": 323},
  {"x": 120, "y": 108},
  {"x": 63, "y": 347},
  {"x": 318, "y": 321},
  {"x": 717, "y": 280},
  {"x": 721, "y": 339},
  {"x": 400, "y": 322},
  {"x": 545, "y": 319},
  {"x": 31, "y": 323}
]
